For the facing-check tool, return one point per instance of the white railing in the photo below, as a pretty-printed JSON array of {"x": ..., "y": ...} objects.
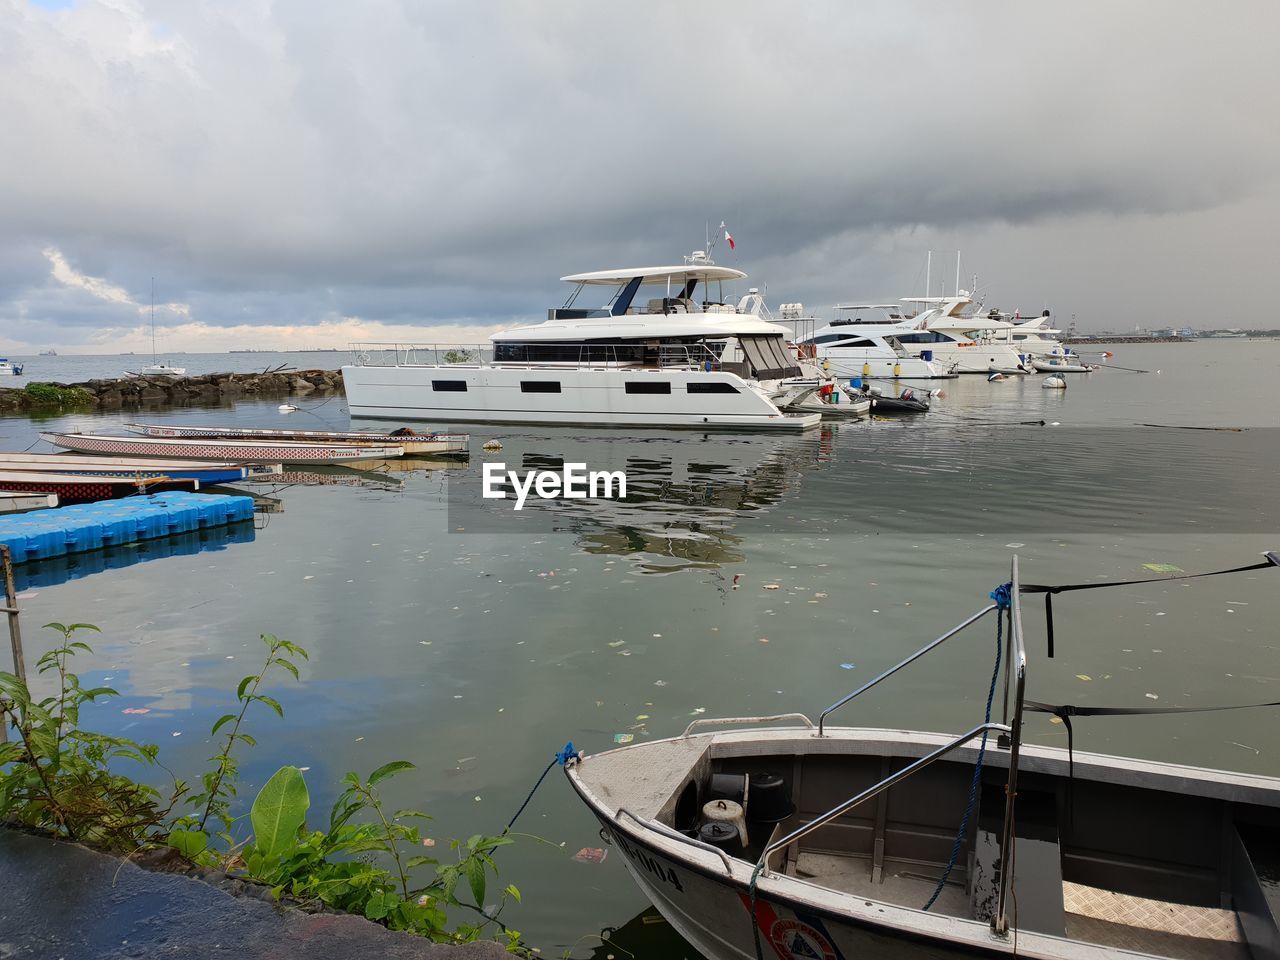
[{"x": 420, "y": 354}]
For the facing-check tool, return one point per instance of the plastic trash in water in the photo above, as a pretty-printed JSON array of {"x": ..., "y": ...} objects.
[
  {"x": 1163, "y": 568},
  {"x": 622, "y": 738},
  {"x": 847, "y": 666},
  {"x": 591, "y": 855}
]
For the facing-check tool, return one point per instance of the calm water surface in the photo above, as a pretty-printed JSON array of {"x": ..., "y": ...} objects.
[{"x": 448, "y": 631}]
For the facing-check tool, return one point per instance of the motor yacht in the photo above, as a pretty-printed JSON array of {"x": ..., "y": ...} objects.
[
  {"x": 951, "y": 330},
  {"x": 867, "y": 343},
  {"x": 680, "y": 355}
]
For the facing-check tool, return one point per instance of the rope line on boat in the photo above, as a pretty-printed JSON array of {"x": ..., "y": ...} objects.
[
  {"x": 1002, "y": 595},
  {"x": 563, "y": 757},
  {"x": 1272, "y": 560}
]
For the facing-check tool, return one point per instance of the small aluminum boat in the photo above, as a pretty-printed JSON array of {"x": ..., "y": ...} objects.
[
  {"x": 414, "y": 444},
  {"x": 240, "y": 451},
  {"x": 813, "y": 841},
  {"x": 73, "y": 488}
]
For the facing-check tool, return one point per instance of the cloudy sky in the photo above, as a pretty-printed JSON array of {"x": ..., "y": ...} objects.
[{"x": 296, "y": 173}]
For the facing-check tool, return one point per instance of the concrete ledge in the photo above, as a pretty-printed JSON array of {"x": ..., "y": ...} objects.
[{"x": 63, "y": 900}]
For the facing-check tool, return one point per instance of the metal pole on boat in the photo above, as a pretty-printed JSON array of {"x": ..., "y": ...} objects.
[{"x": 1018, "y": 666}]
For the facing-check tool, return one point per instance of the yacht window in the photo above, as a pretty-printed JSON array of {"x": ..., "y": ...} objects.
[
  {"x": 715, "y": 386},
  {"x": 539, "y": 386},
  {"x": 844, "y": 339},
  {"x": 457, "y": 386},
  {"x": 649, "y": 386}
]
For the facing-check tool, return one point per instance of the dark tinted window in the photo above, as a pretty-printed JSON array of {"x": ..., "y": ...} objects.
[
  {"x": 457, "y": 386},
  {"x": 715, "y": 386},
  {"x": 539, "y": 386},
  {"x": 649, "y": 386}
]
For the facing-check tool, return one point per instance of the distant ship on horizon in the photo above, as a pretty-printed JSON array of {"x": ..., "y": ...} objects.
[{"x": 49, "y": 353}]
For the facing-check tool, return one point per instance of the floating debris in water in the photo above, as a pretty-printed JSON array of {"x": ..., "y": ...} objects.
[
  {"x": 617, "y": 738},
  {"x": 1083, "y": 676},
  {"x": 847, "y": 666},
  {"x": 591, "y": 855},
  {"x": 771, "y": 586},
  {"x": 493, "y": 445},
  {"x": 1163, "y": 568},
  {"x": 659, "y": 683},
  {"x": 1152, "y": 696},
  {"x": 136, "y": 710},
  {"x": 616, "y": 643}
]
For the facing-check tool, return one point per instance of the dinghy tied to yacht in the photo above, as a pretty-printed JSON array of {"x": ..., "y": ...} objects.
[
  {"x": 809, "y": 840},
  {"x": 670, "y": 360}
]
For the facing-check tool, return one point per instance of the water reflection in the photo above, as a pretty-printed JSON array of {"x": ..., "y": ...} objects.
[{"x": 646, "y": 935}]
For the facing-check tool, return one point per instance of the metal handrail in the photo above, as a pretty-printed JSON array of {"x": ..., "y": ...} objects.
[
  {"x": 879, "y": 788},
  {"x": 1018, "y": 666},
  {"x": 666, "y": 831},
  {"x": 892, "y": 670},
  {"x": 781, "y": 716}
]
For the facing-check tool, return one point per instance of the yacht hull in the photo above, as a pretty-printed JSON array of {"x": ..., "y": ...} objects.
[
  {"x": 605, "y": 396},
  {"x": 975, "y": 358},
  {"x": 847, "y": 364}
]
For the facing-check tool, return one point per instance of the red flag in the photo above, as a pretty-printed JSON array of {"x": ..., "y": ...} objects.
[{"x": 729, "y": 237}]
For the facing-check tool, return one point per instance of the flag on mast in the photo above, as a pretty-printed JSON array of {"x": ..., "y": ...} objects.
[{"x": 728, "y": 236}]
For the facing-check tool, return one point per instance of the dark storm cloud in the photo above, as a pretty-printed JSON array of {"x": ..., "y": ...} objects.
[{"x": 409, "y": 163}]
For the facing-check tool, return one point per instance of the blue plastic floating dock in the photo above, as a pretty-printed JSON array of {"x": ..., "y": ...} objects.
[{"x": 88, "y": 526}]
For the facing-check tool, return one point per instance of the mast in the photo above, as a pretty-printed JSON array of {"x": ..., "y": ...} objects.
[
  {"x": 957, "y": 273},
  {"x": 153, "y": 321},
  {"x": 928, "y": 278}
]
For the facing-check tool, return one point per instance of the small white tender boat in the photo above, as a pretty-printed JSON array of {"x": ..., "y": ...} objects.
[
  {"x": 810, "y": 841},
  {"x": 9, "y": 369},
  {"x": 1060, "y": 366},
  {"x": 1054, "y": 383},
  {"x": 239, "y": 451},
  {"x": 420, "y": 444}
]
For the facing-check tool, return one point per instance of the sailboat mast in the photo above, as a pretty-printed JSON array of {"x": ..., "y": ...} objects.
[
  {"x": 957, "y": 273},
  {"x": 153, "y": 321},
  {"x": 928, "y": 277}
]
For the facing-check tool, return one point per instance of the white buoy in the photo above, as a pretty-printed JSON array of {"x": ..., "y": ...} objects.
[
  {"x": 1055, "y": 383},
  {"x": 286, "y": 408}
]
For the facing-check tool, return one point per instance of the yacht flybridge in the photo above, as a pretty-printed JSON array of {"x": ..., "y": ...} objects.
[{"x": 679, "y": 356}]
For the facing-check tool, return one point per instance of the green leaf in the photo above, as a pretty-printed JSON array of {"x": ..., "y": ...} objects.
[
  {"x": 420, "y": 862},
  {"x": 244, "y": 685},
  {"x": 56, "y": 626},
  {"x": 513, "y": 892},
  {"x": 271, "y": 702},
  {"x": 82, "y": 626},
  {"x": 475, "y": 876},
  {"x": 189, "y": 843},
  {"x": 379, "y": 905},
  {"x": 95, "y": 692},
  {"x": 389, "y": 770},
  {"x": 288, "y": 665},
  {"x": 222, "y": 720},
  {"x": 279, "y": 811}
]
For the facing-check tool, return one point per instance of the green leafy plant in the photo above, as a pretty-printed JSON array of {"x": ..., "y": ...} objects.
[
  {"x": 57, "y": 777},
  {"x": 52, "y": 395},
  {"x": 220, "y": 782},
  {"x": 60, "y": 778},
  {"x": 334, "y": 866},
  {"x": 458, "y": 356}
]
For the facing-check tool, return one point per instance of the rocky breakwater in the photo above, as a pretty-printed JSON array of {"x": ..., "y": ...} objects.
[{"x": 158, "y": 391}]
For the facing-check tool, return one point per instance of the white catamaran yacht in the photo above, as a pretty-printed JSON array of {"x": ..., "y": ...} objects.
[
  {"x": 862, "y": 346},
  {"x": 673, "y": 359}
]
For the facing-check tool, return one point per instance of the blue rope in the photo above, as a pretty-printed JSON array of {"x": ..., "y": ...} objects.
[
  {"x": 562, "y": 757},
  {"x": 1003, "y": 597}
]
